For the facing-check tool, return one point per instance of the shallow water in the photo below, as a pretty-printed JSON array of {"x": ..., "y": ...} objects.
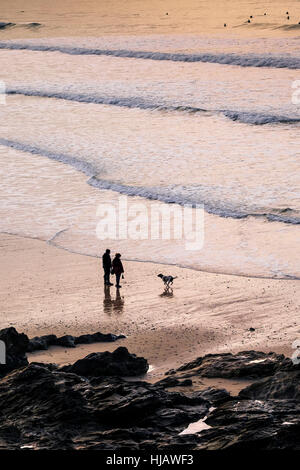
[{"x": 201, "y": 115}]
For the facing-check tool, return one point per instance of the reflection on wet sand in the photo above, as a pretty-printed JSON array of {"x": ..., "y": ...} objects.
[
  {"x": 112, "y": 305},
  {"x": 168, "y": 292}
]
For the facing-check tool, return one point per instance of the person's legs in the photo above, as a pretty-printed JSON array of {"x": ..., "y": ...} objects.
[
  {"x": 118, "y": 280},
  {"x": 106, "y": 276}
]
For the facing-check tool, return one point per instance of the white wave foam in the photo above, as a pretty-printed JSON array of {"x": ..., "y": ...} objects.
[
  {"x": 126, "y": 102},
  {"x": 80, "y": 165},
  {"x": 246, "y": 117},
  {"x": 171, "y": 195},
  {"x": 242, "y": 60},
  {"x": 250, "y": 117}
]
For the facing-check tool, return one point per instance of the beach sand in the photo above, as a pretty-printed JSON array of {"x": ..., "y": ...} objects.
[{"x": 45, "y": 289}]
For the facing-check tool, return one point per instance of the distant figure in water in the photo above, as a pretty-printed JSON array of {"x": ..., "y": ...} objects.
[
  {"x": 117, "y": 268},
  {"x": 106, "y": 263}
]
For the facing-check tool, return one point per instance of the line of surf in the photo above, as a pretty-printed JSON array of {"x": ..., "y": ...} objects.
[
  {"x": 242, "y": 60},
  {"x": 283, "y": 276},
  {"x": 246, "y": 117},
  {"x": 165, "y": 195},
  {"x": 124, "y": 102}
]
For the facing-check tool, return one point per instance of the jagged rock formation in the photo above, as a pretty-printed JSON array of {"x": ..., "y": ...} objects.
[
  {"x": 91, "y": 405},
  {"x": 47, "y": 408},
  {"x": 118, "y": 363},
  {"x": 246, "y": 364}
]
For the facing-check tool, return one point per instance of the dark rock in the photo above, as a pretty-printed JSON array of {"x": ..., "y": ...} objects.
[
  {"x": 168, "y": 382},
  {"x": 41, "y": 342},
  {"x": 97, "y": 338},
  {"x": 47, "y": 408},
  {"x": 68, "y": 341},
  {"x": 282, "y": 385},
  {"x": 250, "y": 364},
  {"x": 16, "y": 345},
  {"x": 253, "y": 425},
  {"x": 215, "y": 395},
  {"x": 118, "y": 363},
  {"x": 33, "y": 25},
  {"x": 171, "y": 372},
  {"x": 4, "y": 24},
  {"x": 186, "y": 383}
]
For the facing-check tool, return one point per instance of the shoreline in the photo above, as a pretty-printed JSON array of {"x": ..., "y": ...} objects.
[
  {"x": 46, "y": 290},
  {"x": 221, "y": 273}
]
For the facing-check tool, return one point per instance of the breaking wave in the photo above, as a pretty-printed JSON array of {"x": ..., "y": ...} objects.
[
  {"x": 242, "y": 60},
  {"x": 169, "y": 194},
  {"x": 246, "y": 117}
]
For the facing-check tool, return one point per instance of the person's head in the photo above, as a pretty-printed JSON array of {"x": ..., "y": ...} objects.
[
  {"x": 118, "y": 255},
  {"x": 107, "y": 251}
]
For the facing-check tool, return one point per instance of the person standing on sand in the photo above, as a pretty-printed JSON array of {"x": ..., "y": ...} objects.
[
  {"x": 117, "y": 268},
  {"x": 106, "y": 263}
]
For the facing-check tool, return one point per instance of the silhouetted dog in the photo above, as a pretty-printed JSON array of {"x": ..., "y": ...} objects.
[{"x": 167, "y": 280}]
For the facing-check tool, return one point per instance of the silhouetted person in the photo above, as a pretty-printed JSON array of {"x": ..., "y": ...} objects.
[
  {"x": 117, "y": 268},
  {"x": 106, "y": 263}
]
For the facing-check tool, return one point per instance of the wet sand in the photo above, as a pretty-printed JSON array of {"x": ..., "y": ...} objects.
[{"x": 45, "y": 290}]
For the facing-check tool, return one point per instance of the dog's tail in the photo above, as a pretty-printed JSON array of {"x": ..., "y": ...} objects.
[{"x": 175, "y": 277}]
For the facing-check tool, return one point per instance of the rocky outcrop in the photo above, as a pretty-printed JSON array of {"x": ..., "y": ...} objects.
[
  {"x": 265, "y": 415},
  {"x": 68, "y": 341},
  {"x": 252, "y": 425},
  {"x": 246, "y": 364},
  {"x": 47, "y": 408},
  {"x": 90, "y": 404},
  {"x": 16, "y": 345},
  {"x": 118, "y": 363},
  {"x": 282, "y": 385}
]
